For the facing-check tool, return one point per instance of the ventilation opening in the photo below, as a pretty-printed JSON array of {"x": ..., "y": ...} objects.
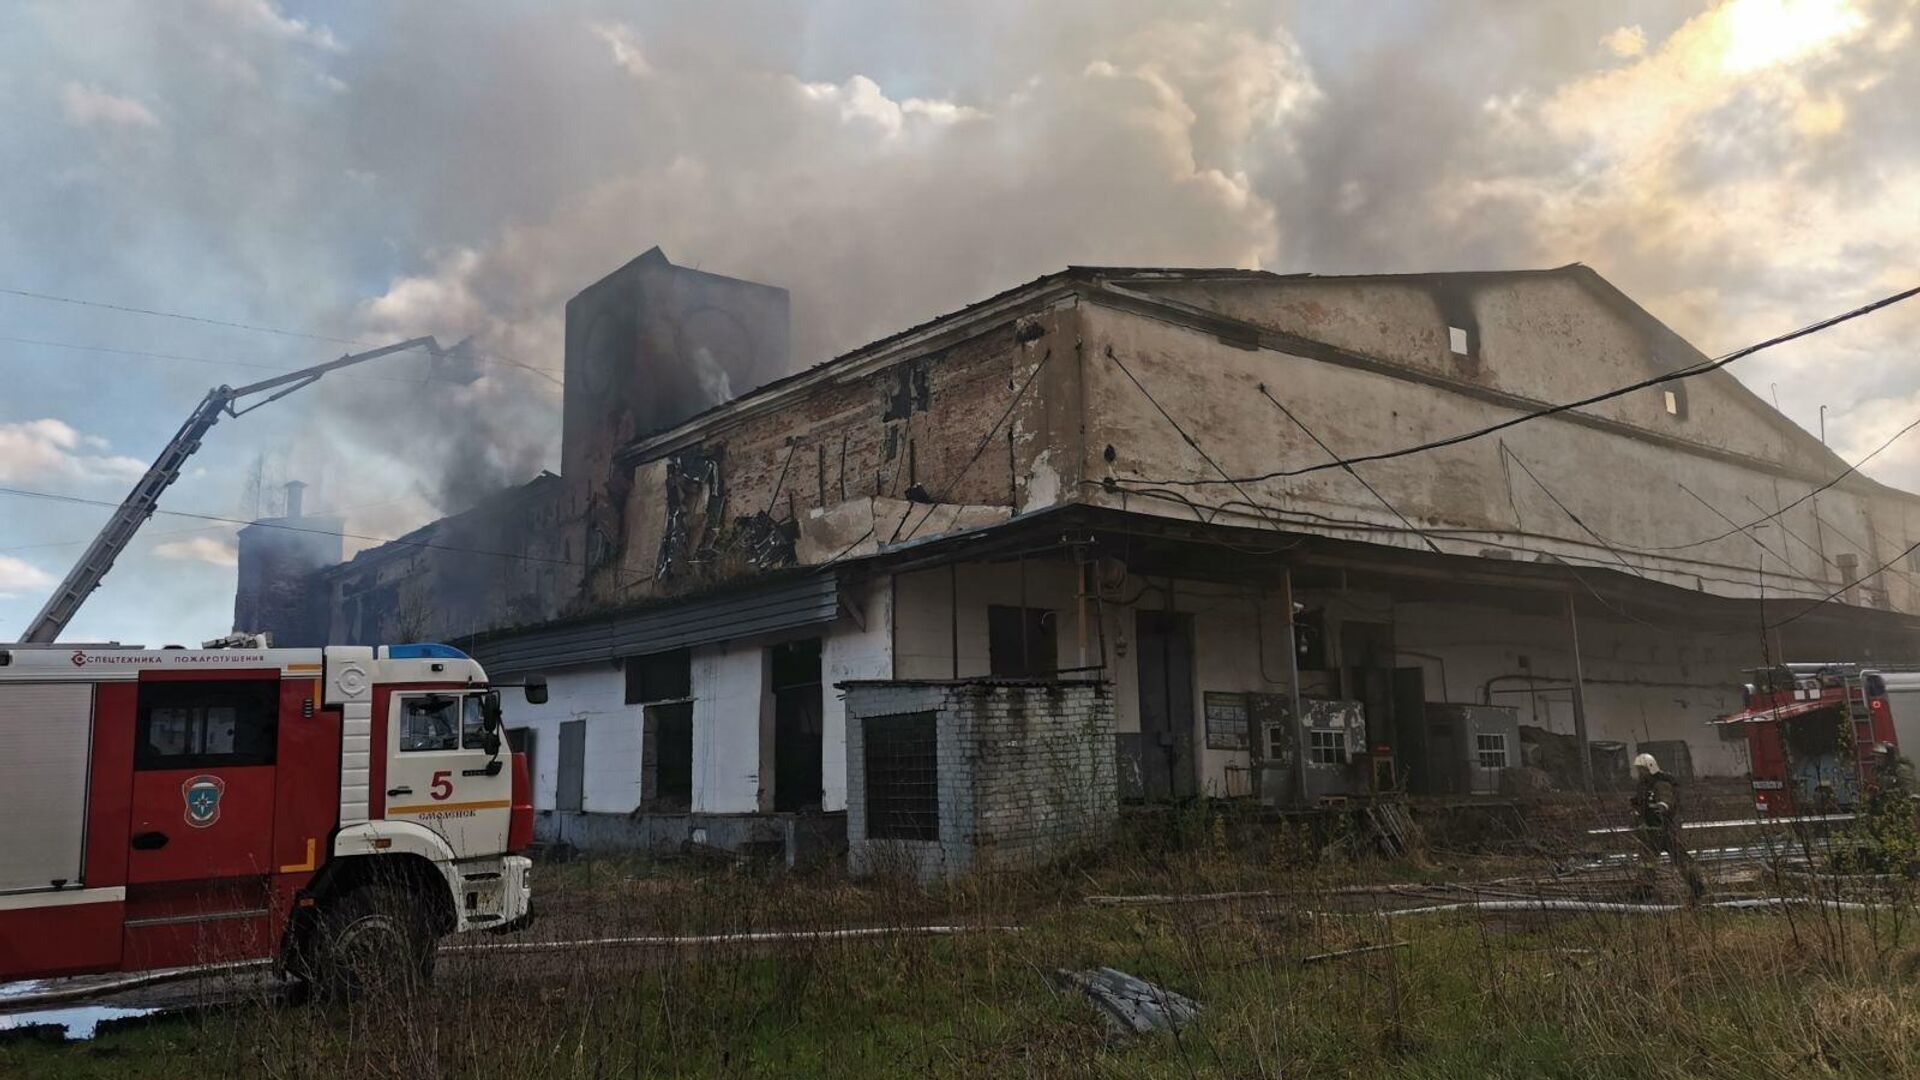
[{"x": 1460, "y": 340}]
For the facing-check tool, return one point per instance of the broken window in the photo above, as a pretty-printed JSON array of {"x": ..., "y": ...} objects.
[
  {"x": 1327, "y": 746},
  {"x": 666, "y": 757},
  {"x": 901, "y": 759},
  {"x": 1491, "y": 751},
  {"x": 663, "y": 676},
  {"x": 1021, "y": 642}
]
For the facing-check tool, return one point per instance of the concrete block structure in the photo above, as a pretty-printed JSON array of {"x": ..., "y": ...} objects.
[{"x": 951, "y": 777}]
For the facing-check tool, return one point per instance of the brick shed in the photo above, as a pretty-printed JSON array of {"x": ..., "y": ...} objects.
[{"x": 957, "y": 776}]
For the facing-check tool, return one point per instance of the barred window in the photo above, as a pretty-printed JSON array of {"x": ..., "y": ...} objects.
[
  {"x": 1491, "y": 751},
  {"x": 902, "y": 774},
  {"x": 1327, "y": 746}
]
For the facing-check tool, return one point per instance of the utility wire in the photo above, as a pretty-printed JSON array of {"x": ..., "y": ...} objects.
[
  {"x": 1841, "y": 475},
  {"x": 1567, "y": 510},
  {"x": 403, "y": 541},
  {"x": 144, "y": 354},
  {"x": 1842, "y": 590},
  {"x": 1371, "y": 490},
  {"x": 255, "y": 327},
  {"x": 1175, "y": 424},
  {"x": 1552, "y": 410},
  {"x": 946, "y": 487}
]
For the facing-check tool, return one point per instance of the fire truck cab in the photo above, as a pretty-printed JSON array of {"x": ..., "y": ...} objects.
[{"x": 329, "y": 809}]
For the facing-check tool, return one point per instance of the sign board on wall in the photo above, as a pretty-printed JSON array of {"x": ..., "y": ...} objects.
[{"x": 1226, "y": 720}]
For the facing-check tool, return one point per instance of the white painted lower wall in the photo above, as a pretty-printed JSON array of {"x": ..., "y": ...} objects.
[
  {"x": 595, "y": 693},
  {"x": 851, "y": 651}
]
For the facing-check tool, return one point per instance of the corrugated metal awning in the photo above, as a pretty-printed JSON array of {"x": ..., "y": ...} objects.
[{"x": 784, "y": 605}]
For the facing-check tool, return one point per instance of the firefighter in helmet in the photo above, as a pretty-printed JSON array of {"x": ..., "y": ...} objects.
[
  {"x": 1656, "y": 807},
  {"x": 1893, "y": 782}
]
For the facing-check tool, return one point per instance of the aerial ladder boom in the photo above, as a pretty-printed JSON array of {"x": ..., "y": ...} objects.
[{"x": 141, "y": 502}]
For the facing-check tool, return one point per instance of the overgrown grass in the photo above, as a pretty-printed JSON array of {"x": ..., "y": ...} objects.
[{"x": 1709, "y": 993}]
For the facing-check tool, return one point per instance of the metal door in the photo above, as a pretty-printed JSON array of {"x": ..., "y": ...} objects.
[
  {"x": 200, "y": 834},
  {"x": 1167, "y": 766},
  {"x": 204, "y": 753},
  {"x": 570, "y": 792}
]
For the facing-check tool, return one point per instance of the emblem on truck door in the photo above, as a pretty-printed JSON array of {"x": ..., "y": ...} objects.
[{"x": 202, "y": 794}]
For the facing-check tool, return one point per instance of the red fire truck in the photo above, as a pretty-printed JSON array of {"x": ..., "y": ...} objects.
[
  {"x": 335, "y": 810},
  {"x": 1811, "y": 731}
]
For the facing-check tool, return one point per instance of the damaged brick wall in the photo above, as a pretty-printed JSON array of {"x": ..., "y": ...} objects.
[{"x": 846, "y": 464}]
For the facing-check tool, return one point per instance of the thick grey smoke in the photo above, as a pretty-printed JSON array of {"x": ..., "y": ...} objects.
[{"x": 1739, "y": 167}]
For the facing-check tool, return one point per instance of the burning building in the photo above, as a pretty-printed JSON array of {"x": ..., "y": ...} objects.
[{"x": 1094, "y": 538}]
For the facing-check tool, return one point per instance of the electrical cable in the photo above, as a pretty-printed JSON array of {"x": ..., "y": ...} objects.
[
  {"x": 141, "y": 353},
  {"x": 1841, "y": 475},
  {"x": 427, "y": 544},
  {"x": 1842, "y": 590},
  {"x": 1565, "y": 509},
  {"x": 946, "y": 487},
  {"x": 1371, "y": 490},
  {"x": 255, "y": 327},
  {"x": 1168, "y": 417},
  {"x": 1552, "y": 410}
]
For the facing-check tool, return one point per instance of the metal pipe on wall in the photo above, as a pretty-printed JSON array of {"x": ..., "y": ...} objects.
[
  {"x": 1579, "y": 699},
  {"x": 1293, "y": 674}
]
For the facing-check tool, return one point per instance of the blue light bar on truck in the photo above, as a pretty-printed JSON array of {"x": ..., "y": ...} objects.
[{"x": 425, "y": 650}]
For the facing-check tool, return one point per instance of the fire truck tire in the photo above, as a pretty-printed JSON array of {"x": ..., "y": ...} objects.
[{"x": 373, "y": 941}]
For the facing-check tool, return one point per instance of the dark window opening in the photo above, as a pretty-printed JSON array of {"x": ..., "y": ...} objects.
[
  {"x": 667, "y": 757},
  {"x": 200, "y": 725},
  {"x": 1021, "y": 642},
  {"x": 664, "y": 676},
  {"x": 797, "y": 722},
  {"x": 901, "y": 757}
]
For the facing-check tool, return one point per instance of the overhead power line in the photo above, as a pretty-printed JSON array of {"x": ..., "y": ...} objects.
[
  {"x": 1371, "y": 490},
  {"x": 1552, "y": 410},
  {"x": 546, "y": 373},
  {"x": 427, "y": 544},
  {"x": 1843, "y": 590},
  {"x": 1182, "y": 432},
  {"x": 183, "y": 358}
]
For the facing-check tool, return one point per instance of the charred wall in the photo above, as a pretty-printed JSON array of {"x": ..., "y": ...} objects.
[
  {"x": 957, "y": 433},
  {"x": 276, "y": 588},
  {"x": 497, "y": 565},
  {"x": 648, "y": 346}
]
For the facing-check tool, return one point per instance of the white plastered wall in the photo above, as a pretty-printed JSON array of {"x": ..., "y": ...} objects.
[
  {"x": 595, "y": 693},
  {"x": 851, "y": 651}
]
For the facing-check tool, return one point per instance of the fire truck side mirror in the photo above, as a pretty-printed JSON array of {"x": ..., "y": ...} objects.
[
  {"x": 536, "y": 686},
  {"x": 490, "y": 712}
]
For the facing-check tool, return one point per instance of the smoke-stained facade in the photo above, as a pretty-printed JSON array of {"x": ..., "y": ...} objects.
[{"x": 1130, "y": 473}]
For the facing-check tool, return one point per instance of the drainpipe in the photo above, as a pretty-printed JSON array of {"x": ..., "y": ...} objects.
[
  {"x": 1579, "y": 700},
  {"x": 953, "y": 615},
  {"x": 1080, "y": 604},
  {"x": 1298, "y": 735}
]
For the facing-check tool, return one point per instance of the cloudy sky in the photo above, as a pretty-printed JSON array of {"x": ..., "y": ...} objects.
[{"x": 296, "y": 177}]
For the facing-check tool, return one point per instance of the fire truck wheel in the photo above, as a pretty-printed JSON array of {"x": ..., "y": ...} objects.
[{"x": 373, "y": 941}]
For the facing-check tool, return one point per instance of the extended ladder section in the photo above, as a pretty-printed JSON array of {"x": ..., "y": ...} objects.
[{"x": 144, "y": 499}]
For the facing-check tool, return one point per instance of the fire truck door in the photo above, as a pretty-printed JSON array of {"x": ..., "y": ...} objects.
[
  {"x": 201, "y": 830},
  {"x": 445, "y": 771}
]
